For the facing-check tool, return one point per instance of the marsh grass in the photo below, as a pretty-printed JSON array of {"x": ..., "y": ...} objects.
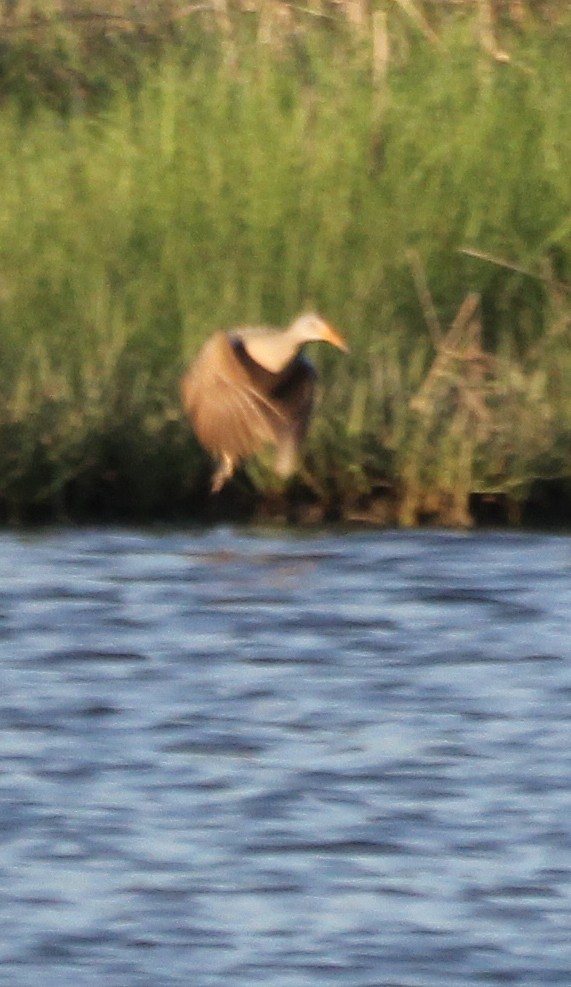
[{"x": 226, "y": 182}]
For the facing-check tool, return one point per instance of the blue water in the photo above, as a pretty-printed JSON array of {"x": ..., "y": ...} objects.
[{"x": 232, "y": 758}]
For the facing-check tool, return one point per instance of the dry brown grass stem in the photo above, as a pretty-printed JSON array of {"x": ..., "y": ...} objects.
[
  {"x": 454, "y": 420},
  {"x": 153, "y": 16},
  {"x": 413, "y": 11},
  {"x": 381, "y": 47},
  {"x": 518, "y": 268},
  {"x": 487, "y": 31},
  {"x": 460, "y": 363},
  {"x": 423, "y": 291}
]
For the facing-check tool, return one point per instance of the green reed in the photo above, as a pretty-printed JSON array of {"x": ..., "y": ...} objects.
[{"x": 235, "y": 180}]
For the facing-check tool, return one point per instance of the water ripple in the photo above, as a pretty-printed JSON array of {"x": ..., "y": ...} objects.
[{"x": 241, "y": 757}]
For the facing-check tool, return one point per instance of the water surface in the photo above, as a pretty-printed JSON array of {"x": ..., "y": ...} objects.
[{"x": 236, "y": 758}]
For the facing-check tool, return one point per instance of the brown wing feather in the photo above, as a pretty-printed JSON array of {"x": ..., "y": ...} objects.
[{"x": 229, "y": 413}]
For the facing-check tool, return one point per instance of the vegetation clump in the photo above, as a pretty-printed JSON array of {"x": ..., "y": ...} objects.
[{"x": 404, "y": 168}]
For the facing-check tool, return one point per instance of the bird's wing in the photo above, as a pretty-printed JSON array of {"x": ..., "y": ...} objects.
[{"x": 229, "y": 413}]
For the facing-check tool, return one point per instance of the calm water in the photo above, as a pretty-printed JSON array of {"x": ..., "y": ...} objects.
[{"x": 235, "y": 759}]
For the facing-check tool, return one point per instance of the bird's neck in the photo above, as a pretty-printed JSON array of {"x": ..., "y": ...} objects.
[{"x": 272, "y": 351}]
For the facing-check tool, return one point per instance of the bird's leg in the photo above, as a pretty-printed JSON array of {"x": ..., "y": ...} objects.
[
  {"x": 222, "y": 474},
  {"x": 286, "y": 459}
]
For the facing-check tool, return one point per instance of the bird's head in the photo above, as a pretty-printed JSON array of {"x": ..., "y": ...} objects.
[{"x": 311, "y": 328}]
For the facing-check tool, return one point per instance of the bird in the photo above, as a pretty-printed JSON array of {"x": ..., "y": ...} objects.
[{"x": 251, "y": 387}]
